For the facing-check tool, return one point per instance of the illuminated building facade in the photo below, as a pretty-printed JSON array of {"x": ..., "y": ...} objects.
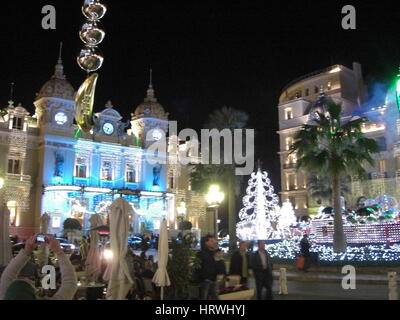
[
  {"x": 302, "y": 97},
  {"x": 47, "y": 170}
]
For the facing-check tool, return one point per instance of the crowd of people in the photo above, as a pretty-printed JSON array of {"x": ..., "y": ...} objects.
[
  {"x": 212, "y": 267},
  {"x": 20, "y": 279}
]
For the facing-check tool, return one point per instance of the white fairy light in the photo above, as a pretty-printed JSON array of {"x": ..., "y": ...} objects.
[{"x": 257, "y": 216}]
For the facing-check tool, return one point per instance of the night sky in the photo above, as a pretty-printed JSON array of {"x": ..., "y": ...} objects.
[{"x": 205, "y": 54}]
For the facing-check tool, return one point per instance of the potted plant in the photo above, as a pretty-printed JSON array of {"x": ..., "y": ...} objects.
[{"x": 181, "y": 266}]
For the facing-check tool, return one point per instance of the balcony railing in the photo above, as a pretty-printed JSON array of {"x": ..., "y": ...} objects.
[
  {"x": 18, "y": 177},
  {"x": 289, "y": 166},
  {"x": 378, "y": 175}
]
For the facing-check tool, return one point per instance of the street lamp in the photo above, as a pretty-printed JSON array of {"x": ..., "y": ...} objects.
[
  {"x": 181, "y": 210},
  {"x": 214, "y": 198}
]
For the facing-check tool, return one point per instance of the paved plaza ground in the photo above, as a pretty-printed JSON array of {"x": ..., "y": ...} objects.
[{"x": 325, "y": 283}]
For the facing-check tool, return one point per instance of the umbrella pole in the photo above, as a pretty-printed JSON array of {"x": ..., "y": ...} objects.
[{"x": 162, "y": 293}]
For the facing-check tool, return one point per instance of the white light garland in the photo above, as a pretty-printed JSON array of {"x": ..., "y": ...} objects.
[
  {"x": 289, "y": 249},
  {"x": 259, "y": 215}
]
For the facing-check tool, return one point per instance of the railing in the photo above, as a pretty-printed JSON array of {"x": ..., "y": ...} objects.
[
  {"x": 379, "y": 175},
  {"x": 315, "y": 73},
  {"x": 18, "y": 177},
  {"x": 289, "y": 166}
]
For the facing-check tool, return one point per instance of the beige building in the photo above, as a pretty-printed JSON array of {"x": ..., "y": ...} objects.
[{"x": 298, "y": 101}]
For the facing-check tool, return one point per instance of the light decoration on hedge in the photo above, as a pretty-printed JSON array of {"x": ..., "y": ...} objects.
[
  {"x": 289, "y": 249},
  {"x": 287, "y": 219},
  {"x": 260, "y": 212}
]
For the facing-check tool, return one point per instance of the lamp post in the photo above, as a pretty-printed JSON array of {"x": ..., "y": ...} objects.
[
  {"x": 181, "y": 211},
  {"x": 214, "y": 198}
]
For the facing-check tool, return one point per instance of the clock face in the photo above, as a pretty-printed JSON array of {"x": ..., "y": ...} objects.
[
  {"x": 157, "y": 134},
  {"x": 108, "y": 128},
  {"x": 61, "y": 118}
]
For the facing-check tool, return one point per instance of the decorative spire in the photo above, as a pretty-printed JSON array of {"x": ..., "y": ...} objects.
[
  {"x": 259, "y": 164},
  {"x": 151, "y": 79},
  {"x": 59, "y": 69},
  {"x": 11, "y": 101},
  {"x": 150, "y": 91},
  {"x": 109, "y": 105}
]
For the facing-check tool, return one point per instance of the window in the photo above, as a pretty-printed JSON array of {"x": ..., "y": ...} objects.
[
  {"x": 12, "y": 206},
  {"x": 17, "y": 123},
  {"x": 382, "y": 166},
  {"x": 106, "y": 171},
  {"x": 307, "y": 93},
  {"x": 81, "y": 167},
  {"x": 329, "y": 85},
  {"x": 298, "y": 94},
  {"x": 293, "y": 201},
  {"x": 14, "y": 166},
  {"x": 382, "y": 144},
  {"x": 316, "y": 89},
  {"x": 288, "y": 114},
  {"x": 289, "y": 142},
  {"x": 171, "y": 182},
  {"x": 56, "y": 222},
  {"x": 131, "y": 173}
]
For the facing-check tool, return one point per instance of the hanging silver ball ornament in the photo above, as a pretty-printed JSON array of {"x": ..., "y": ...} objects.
[
  {"x": 90, "y": 59},
  {"x": 94, "y": 10},
  {"x": 91, "y": 33}
]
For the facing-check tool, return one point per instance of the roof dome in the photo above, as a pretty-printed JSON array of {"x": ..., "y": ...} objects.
[
  {"x": 57, "y": 86},
  {"x": 150, "y": 108}
]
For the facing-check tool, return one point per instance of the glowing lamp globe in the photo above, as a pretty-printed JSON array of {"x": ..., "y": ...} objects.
[
  {"x": 91, "y": 33},
  {"x": 214, "y": 195},
  {"x": 90, "y": 59},
  {"x": 108, "y": 254},
  {"x": 94, "y": 10}
]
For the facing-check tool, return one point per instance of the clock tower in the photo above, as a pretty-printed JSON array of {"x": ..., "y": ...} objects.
[
  {"x": 108, "y": 125},
  {"x": 55, "y": 102},
  {"x": 149, "y": 116}
]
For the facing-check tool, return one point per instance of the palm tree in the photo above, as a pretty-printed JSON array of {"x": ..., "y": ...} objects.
[
  {"x": 330, "y": 146},
  {"x": 224, "y": 174},
  {"x": 320, "y": 187}
]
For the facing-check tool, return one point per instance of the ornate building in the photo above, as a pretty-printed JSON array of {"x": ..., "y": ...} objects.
[
  {"x": 46, "y": 169},
  {"x": 298, "y": 103}
]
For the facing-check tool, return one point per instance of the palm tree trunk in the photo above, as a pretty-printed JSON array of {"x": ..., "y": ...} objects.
[
  {"x": 232, "y": 209},
  {"x": 339, "y": 238}
]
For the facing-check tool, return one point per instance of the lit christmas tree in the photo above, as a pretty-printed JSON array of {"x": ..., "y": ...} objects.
[
  {"x": 287, "y": 218},
  {"x": 258, "y": 217}
]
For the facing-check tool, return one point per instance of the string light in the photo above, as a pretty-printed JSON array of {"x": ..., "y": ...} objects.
[{"x": 289, "y": 249}]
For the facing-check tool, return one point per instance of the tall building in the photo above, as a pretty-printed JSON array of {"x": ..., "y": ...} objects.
[
  {"x": 47, "y": 170},
  {"x": 297, "y": 104}
]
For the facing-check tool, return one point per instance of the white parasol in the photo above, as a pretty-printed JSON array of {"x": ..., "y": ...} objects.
[
  {"x": 5, "y": 243},
  {"x": 120, "y": 279},
  {"x": 161, "y": 278},
  {"x": 93, "y": 260}
]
